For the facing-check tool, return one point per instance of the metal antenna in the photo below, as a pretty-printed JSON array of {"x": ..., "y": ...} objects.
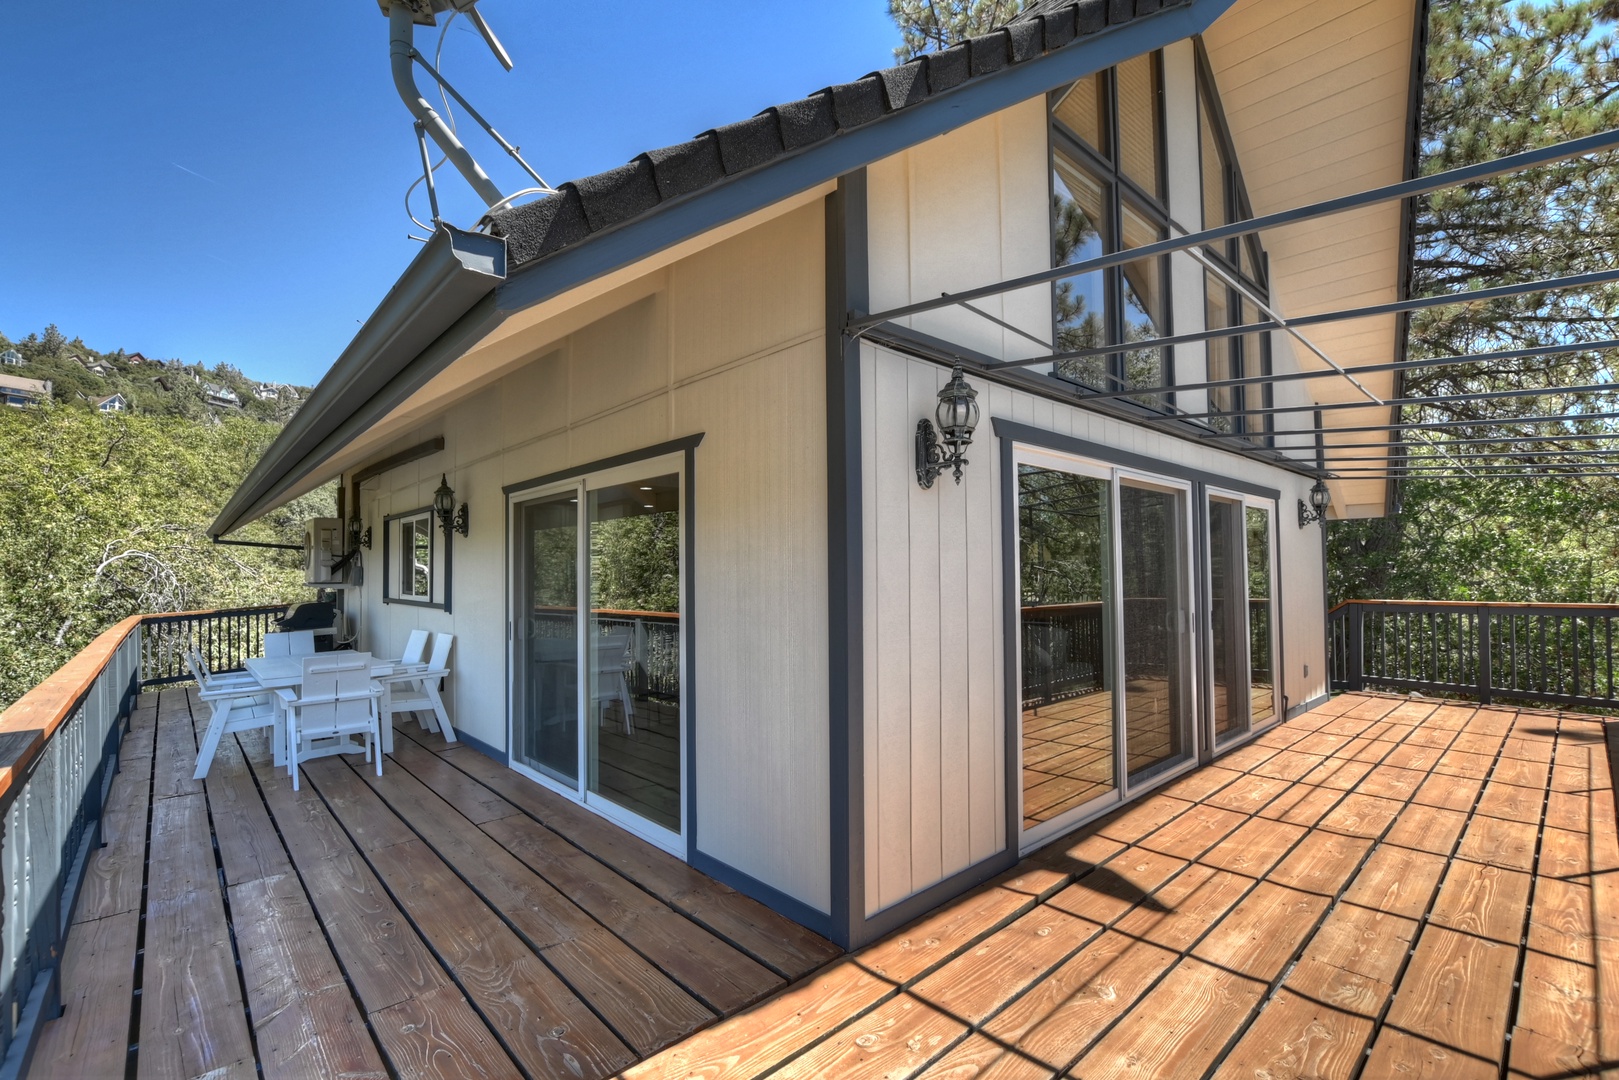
[{"x": 403, "y": 18}]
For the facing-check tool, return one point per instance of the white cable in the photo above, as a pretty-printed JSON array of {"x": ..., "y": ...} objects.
[{"x": 438, "y": 62}]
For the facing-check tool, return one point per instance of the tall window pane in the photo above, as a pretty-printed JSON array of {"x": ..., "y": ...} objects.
[
  {"x": 633, "y": 640},
  {"x": 1067, "y": 682},
  {"x": 1145, "y": 309},
  {"x": 1221, "y": 352},
  {"x": 1214, "y": 171},
  {"x": 1261, "y": 607},
  {"x": 1138, "y": 122},
  {"x": 1078, "y": 208},
  {"x": 1080, "y": 110}
]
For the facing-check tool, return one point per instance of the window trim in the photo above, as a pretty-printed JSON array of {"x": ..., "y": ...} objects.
[
  {"x": 1118, "y": 189},
  {"x": 389, "y": 596}
]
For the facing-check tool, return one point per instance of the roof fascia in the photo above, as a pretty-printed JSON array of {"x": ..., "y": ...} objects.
[
  {"x": 713, "y": 206},
  {"x": 437, "y": 308}
]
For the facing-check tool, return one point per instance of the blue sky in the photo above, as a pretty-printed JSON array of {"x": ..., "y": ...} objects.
[{"x": 222, "y": 181}]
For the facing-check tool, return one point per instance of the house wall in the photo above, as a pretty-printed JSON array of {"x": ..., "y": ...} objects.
[
  {"x": 970, "y": 208},
  {"x": 727, "y": 343}
]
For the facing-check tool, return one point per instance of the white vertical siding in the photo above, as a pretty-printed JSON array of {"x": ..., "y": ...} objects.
[
  {"x": 729, "y": 342},
  {"x": 935, "y": 622}
]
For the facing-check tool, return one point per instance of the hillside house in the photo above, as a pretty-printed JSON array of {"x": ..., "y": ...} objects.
[
  {"x": 112, "y": 403},
  {"x": 19, "y": 392},
  {"x": 97, "y": 367},
  {"x": 221, "y": 397},
  {"x": 135, "y": 359},
  {"x": 267, "y": 391},
  {"x": 12, "y": 358},
  {"x": 707, "y": 580}
]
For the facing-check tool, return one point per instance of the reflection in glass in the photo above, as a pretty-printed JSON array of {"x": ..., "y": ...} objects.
[
  {"x": 1222, "y": 399},
  {"x": 1067, "y": 683},
  {"x": 633, "y": 641},
  {"x": 1152, "y": 580},
  {"x": 1080, "y": 110},
  {"x": 1145, "y": 311},
  {"x": 1138, "y": 122},
  {"x": 1228, "y": 637},
  {"x": 547, "y": 629},
  {"x": 1214, "y": 170},
  {"x": 1262, "y": 677},
  {"x": 1081, "y": 302}
]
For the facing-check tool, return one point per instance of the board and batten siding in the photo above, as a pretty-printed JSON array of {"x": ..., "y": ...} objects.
[
  {"x": 727, "y": 342},
  {"x": 935, "y": 677}
]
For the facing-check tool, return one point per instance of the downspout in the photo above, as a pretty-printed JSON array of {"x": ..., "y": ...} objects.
[{"x": 401, "y": 50}]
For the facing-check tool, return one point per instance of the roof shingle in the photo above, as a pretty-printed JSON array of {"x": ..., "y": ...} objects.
[{"x": 594, "y": 203}]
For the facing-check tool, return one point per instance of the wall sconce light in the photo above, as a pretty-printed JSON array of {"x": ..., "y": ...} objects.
[
  {"x": 444, "y": 506},
  {"x": 1320, "y": 499},
  {"x": 957, "y": 414},
  {"x": 358, "y": 537}
]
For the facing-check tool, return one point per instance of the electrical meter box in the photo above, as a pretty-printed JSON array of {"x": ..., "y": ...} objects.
[{"x": 323, "y": 550}]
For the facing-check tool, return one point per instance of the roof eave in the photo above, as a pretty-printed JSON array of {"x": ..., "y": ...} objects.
[{"x": 447, "y": 280}]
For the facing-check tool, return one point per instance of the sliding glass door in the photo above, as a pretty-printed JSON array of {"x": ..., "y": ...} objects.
[
  {"x": 596, "y": 696},
  {"x": 1242, "y": 695},
  {"x": 1104, "y": 664}
]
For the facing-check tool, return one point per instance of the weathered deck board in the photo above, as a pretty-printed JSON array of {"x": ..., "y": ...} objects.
[
  {"x": 1381, "y": 887},
  {"x": 192, "y": 1020}
]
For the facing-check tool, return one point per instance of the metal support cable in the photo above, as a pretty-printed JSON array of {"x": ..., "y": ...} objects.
[
  {"x": 1405, "y": 189},
  {"x": 1413, "y": 403},
  {"x": 1427, "y": 425},
  {"x": 1395, "y": 307},
  {"x": 1362, "y": 369}
]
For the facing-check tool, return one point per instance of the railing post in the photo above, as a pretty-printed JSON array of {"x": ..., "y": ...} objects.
[
  {"x": 1356, "y": 647},
  {"x": 1486, "y": 665}
]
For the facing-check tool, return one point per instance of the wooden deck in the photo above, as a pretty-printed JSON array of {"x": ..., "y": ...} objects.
[
  {"x": 1380, "y": 888},
  {"x": 447, "y": 919}
]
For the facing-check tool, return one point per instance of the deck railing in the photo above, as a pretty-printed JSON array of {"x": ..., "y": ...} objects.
[
  {"x": 58, "y": 754},
  {"x": 226, "y": 638},
  {"x": 1553, "y": 654}
]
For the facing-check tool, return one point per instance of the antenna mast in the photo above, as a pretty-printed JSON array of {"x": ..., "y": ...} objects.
[{"x": 403, "y": 18}]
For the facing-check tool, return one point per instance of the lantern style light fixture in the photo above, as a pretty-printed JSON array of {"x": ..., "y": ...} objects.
[
  {"x": 359, "y": 536},
  {"x": 957, "y": 414},
  {"x": 1320, "y": 499},
  {"x": 444, "y": 506}
]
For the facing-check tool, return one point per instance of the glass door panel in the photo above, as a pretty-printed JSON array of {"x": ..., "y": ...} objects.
[
  {"x": 546, "y": 635},
  {"x": 1261, "y": 617},
  {"x": 1228, "y": 618},
  {"x": 1153, "y": 583},
  {"x": 633, "y": 712},
  {"x": 1068, "y": 708}
]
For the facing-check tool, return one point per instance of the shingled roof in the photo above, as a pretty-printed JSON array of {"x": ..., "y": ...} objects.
[{"x": 581, "y": 208}]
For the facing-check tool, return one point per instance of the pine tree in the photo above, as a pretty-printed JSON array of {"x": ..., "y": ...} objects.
[{"x": 929, "y": 25}]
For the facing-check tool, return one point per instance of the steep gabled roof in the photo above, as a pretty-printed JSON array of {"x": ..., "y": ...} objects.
[{"x": 591, "y": 204}]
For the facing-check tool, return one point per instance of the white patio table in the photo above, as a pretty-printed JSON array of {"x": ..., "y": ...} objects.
[{"x": 286, "y": 672}]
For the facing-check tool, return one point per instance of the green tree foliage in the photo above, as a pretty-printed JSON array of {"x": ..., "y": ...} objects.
[
  {"x": 1503, "y": 77},
  {"x": 930, "y": 25},
  {"x": 105, "y": 516}
]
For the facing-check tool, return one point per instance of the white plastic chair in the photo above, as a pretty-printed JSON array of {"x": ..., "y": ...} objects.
[
  {"x": 613, "y": 676},
  {"x": 416, "y": 690},
  {"x": 277, "y": 644},
  {"x": 300, "y": 643},
  {"x": 415, "y": 650},
  {"x": 337, "y": 699},
  {"x": 236, "y": 706}
]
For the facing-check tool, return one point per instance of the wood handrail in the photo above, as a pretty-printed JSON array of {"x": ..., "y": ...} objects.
[
  {"x": 1501, "y": 604},
  {"x": 30, "y": 722}
]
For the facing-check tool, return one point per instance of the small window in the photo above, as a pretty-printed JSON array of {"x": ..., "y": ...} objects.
[{"x": 412, "y": 555}]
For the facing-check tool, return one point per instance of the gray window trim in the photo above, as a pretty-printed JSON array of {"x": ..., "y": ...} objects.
[{"x": 432, "y": 581}]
